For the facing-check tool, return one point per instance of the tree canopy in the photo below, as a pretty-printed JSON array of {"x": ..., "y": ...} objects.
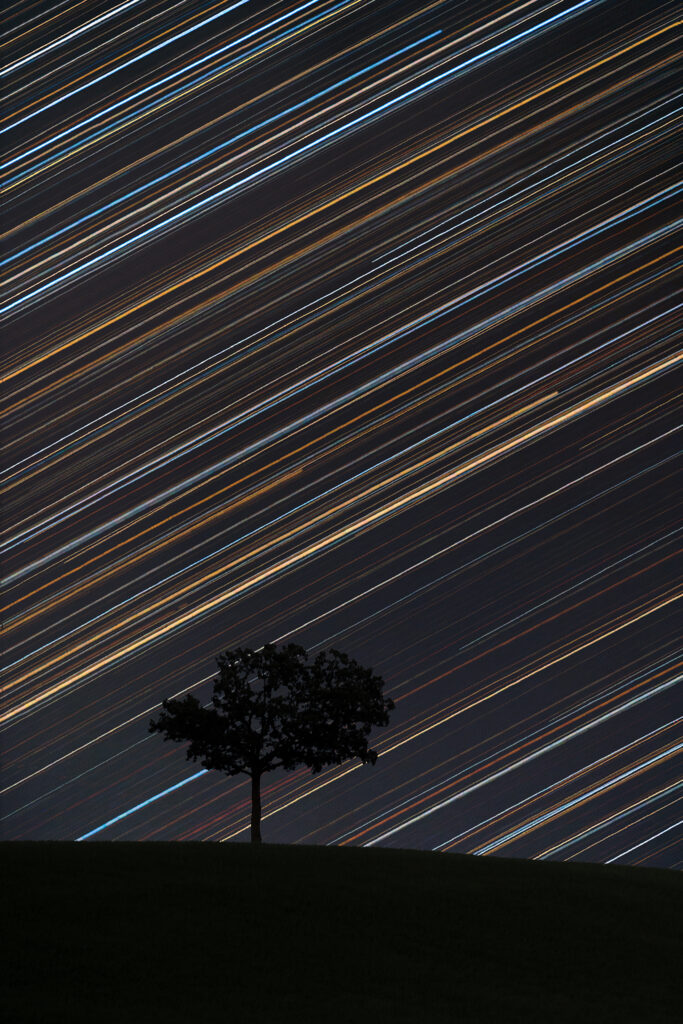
[{"x": 273, "y": 708}]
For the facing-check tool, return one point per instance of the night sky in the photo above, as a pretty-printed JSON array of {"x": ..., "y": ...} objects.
[{"x": 352, "y": 324}]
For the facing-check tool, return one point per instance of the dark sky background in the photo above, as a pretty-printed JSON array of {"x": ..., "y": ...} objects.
[{"x": 352, "y": 324}]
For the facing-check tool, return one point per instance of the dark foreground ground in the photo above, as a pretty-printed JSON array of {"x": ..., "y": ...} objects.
[{"x": 199, "y": 932}]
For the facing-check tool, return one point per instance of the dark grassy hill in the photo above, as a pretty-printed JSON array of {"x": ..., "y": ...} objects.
[{"x": 199, "y": 932}]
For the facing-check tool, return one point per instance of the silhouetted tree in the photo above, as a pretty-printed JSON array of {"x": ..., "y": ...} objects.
[{"x": 274, "y": 709}]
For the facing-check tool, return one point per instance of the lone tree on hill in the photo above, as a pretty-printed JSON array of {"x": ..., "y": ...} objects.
[{"x": 275, "y": 709}]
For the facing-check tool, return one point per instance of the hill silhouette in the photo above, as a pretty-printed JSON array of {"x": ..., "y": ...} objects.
[{"x": 181, "y": 932}]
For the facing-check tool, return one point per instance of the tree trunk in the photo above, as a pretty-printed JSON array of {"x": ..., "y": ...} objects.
[{"x": 256, "y": 808}]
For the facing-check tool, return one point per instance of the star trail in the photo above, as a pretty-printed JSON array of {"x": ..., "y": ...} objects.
[{"x": 351, "y": 324}]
